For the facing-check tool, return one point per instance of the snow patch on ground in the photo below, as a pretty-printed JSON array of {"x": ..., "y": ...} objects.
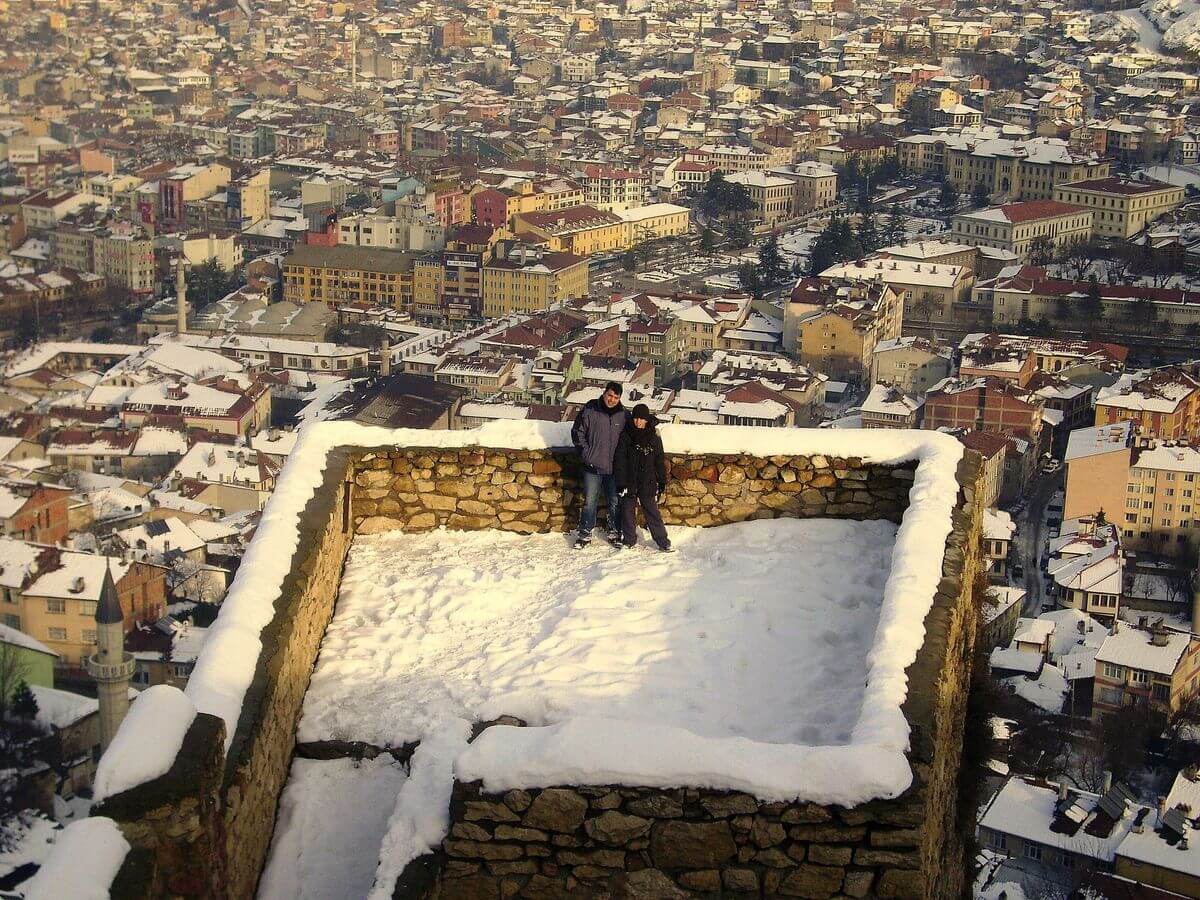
[
  {"x": 332, "y": 819},
  {"x": 714, "y": 638},
  {"x": 33, "y": 837}
]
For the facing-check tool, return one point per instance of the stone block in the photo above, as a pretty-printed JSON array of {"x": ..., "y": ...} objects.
[
  {"x": 901, "y": 884},
  {"x": 705, "y": 881},
  {"x": 722, "y": 807},
  {"x": 691, "y": 845},
  {"x": 616, "y": 828},
  {"x": 824, "y": 854},
  {"x": 648, "y": 884},
  {"x": 556, "y": 809},
  {"x": 744, "y": 881},
  {"x": 815, "y": 882}
]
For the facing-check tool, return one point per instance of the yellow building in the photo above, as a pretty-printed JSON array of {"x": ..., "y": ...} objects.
[
  {"x": 341, "y": 275},
  {"x": 528, "y": 280},
  {"x": 656, "y": 220},
  {"x": 1121, "y": 207},
  {"x": 581, "y": 230}
]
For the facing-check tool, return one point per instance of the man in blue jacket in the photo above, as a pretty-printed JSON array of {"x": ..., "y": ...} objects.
[{"x": 596, "y": 431}]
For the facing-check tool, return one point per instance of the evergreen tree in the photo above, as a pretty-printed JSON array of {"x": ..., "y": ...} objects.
[
  {"x": 708, "y": 240},
  {"x": 1091, "y": 305},
  {"x": 867, "y": 234},
  {"x": 895, "y": 228},
  {"x": 629, "y": 260},
  {"x": 738, "y": 233},
  {"x": 751, "y": 279},
  {"x": 24, "y": 704},
  {"x": 772, "y": 267},
  {"x": 948, "y": 198},
  {"x": 979, "y": 195}
]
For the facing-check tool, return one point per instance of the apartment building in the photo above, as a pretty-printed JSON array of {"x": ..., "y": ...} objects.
[
  {"x": 1087, "y": 565},
  {"x": 340, "y": 275},
  {"x": 528, "y": 279},
  {"x": 655, "y": 221},
  {"x": 984, "y": 404},
  {"x": 889, "y": 407},
  {"x": 1019, "y": 358},
  {"x": 930, "y": 289},
  {"x": 1019, "y": 170},
  {"x": 1121, "y": 207},
  {"x": 1019, "y": 227},
  {"x": 835, "y": 328},
  {"x": 496, "y": 206},
  {"x": 184, "y": 184},
  {"x": 1162, "y": 403},
  {"x": 50, "y": 594},
  {"x": 911, "y": 364},
  {"x": 581, "y": 230},
  {"x": 1145, "y": 664},
  {"x": 1028, "y": 292},
  {"x": 610, "y": 189}
]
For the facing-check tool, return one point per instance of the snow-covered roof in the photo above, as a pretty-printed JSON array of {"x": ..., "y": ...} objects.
[
  {"x": 998, "y": 525},
  {"x": 1133, "y": 647},
  {"x": 9, "y": 635}
]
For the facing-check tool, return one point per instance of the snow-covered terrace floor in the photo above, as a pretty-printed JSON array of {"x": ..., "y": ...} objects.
[{"x": 759, "y": 631}]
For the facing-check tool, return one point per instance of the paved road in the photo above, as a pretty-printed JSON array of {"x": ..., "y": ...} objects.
[{"x": 1030, "y": 528}]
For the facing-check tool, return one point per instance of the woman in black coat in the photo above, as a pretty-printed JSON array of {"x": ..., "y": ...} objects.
[{"x": 640, "y": 469}]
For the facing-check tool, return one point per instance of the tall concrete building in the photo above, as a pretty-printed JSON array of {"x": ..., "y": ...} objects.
[{"x": 111, "y": 666}]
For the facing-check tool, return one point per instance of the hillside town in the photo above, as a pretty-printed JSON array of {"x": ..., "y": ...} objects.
[{"x": 222, "y": 222}]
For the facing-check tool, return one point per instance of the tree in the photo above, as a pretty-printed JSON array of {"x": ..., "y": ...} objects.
[
  {"x": 24, "y": 705},
  {"x": 629, "y": 260},
  {"x": 1123, "y": 735},
  {"x": 708, "y": 240},
  {"x": 1041, "y": 250},
  {"x": 208, "y": 282},
  {"x": 1079, "y": 258},
  {"x": 738, "y": 233},
  {"x": 13, "y": 670},
  {"x": 102, "y": 335},
  {"x": 749, "y": 51},
  {"x": 27, "y": 328},
  {"x": 1092, "y": 306},
  {"x": 750, "y": 279},
  {"x": 772, "y": 266},
  {"x": 866, "y": 233},
  {"x": 948, "y": 197},
  {"x": 895, "y": 228},
  {"x": 1143, "y": 312},
  {"x": 979, "y": 195}
]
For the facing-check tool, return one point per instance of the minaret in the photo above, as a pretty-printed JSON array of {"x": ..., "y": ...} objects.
[
  {"x": 352, "y": 34},
  {"x": 180, "y": 298},
  {"x": 111, "y": 666}
]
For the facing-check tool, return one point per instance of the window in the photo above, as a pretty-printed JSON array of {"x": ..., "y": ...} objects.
[
  {"x": 13, "y": 621},
  {"x": 1139, "y": 677},
  {"x": 87, "y": 608},
  {"x": 56, "y": 606},
  {"x": 1110, "y": 696},
  {"x": 57, "y": 634},
  {"x": 1111, "y": 671},
  {"x": 89, "y": 635},
  {"x": 1032, "y": 850}
]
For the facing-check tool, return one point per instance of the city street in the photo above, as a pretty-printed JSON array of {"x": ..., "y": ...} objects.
[{"x": 1030, "y": 537}]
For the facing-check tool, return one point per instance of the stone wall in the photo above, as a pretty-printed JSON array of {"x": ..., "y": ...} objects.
[
  {"x": 207, "y": 823},
  {"x": 538, "y": 490},
  {"x": 620, "y": 841},
  {"x": 203, "y": 829}
]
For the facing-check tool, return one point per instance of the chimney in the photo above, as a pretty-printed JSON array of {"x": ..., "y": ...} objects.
[
  {"x": 1107, "y": 783},
  {"x": 1062, "y": 792},
  {"x": 385, "y": 358},
  {"x": 1159, "y": 636}
]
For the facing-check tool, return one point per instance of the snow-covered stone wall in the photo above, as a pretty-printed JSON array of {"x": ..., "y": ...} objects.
[
  {"x": 216, "y": 822},
  {"x": 417, "y": 489}
]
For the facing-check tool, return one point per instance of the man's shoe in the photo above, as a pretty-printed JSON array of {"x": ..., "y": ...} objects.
[
  {"x": 580, "y": 543},
  {"x": 666, "y": 548}
]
